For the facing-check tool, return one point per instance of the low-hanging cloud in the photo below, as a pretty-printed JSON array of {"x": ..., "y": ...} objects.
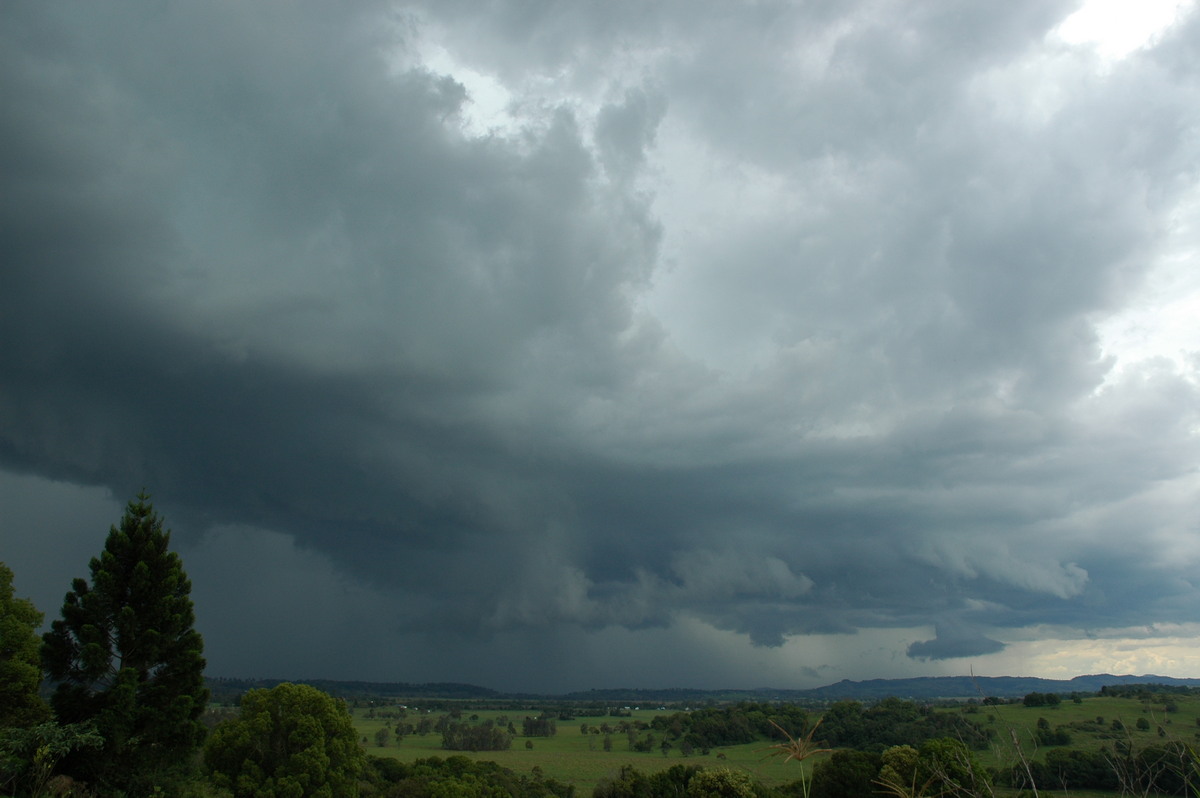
[{"x": 954, "y": 642}]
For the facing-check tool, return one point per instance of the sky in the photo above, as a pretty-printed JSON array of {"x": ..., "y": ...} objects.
[{"x": 550, "y": 346}]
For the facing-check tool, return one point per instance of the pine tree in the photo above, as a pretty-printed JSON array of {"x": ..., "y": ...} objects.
[
  {"x": 20, "y": 665},
  {"x": 127, "y": 658}
]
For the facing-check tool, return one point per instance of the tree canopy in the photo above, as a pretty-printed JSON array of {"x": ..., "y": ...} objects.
[
  {"x": 20, "y": 659},
  {"x": 892, "y": 721},
  {"x": 291, "y": 741},
  {"x": 127, "y": 658},
  {"x": 458, "y": 776}
]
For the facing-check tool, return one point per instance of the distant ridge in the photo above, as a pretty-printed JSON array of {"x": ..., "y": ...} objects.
[
  {"x": 926, "y": 688},
  {"x": 223, "y": 688},
  {"x": 934, "y": 687}
]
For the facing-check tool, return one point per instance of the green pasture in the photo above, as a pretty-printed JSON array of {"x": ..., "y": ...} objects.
[
  {"x": 575, "y": 758},
  {"x": 580, "y": 759},
  {"x": 1089, "y": 723}
]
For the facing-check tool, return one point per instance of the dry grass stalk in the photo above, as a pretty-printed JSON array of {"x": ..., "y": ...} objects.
[{"x": 798, "y": 749}]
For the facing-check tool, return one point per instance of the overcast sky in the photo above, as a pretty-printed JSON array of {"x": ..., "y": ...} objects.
[{"x": 557, "y": 345}]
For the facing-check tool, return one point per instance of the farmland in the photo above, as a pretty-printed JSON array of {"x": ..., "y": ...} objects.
[
  {"x": 1090, "y": 724},
  {"x": 577, "y": 758},
  {"x": 1096, "y": 723}
]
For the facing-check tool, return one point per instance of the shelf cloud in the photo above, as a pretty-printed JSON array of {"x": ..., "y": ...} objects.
[{"x": 574, "y": 345}]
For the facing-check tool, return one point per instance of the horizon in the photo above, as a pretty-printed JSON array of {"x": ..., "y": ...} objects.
[{"x": 726, "y": 688}]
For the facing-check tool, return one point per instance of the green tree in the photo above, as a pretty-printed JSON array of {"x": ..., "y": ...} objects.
[
  {"x": 846, "y": 774},
  {"x": 28, "y": 756},
  {"x": 292, "y": 741},
  {"x": 942, "y": 767},
  {"x": 720, "y": 783},
  {"x": 953, "y": 768},
  {"x": 457, "y": 777},
  {"x": 899, "y": 773},
  {"x": 629, "y": 782},
  {"x": 128, "y": 659},
  {"x": 20, "y": 659},
  {"x": 672, "y": 782}
]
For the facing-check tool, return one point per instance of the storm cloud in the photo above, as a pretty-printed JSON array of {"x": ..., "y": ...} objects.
[{"x": 567, "y": 345}]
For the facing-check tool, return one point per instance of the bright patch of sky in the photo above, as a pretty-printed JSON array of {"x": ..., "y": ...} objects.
[
  {"x": 1161, "y": 320},
  {"x": 490, "y": 106},
  {"x": 1115, "y": 28},
  {"x": 1163, "y": 650},
  {"x": 488, "y": 110}
]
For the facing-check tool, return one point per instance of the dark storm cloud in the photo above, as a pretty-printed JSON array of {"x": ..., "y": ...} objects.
[
  {"x": 743, "y": 326},
  {"x": 953, "y": 644}
]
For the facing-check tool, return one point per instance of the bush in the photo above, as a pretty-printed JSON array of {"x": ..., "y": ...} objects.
[
  {"x": 846, "y": 774},
  {"x": 457, "y": 776},
  {"x": 720, "y": 783}
]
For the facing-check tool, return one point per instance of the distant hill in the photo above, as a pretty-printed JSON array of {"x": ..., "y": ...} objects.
[
  {"x": 928, "y": 688},
  {"x": 934, "y": 687},
  {"x": 228, "y": 690}
]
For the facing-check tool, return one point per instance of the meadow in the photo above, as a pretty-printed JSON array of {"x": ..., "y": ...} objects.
[
  {"x": 580, "y": 759},
  {"x": 1089, "y": 724},
  {"x": 576, "y": 758}
]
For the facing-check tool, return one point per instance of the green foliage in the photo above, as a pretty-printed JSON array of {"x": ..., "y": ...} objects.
[
  {"x": 675, "y": 782},
  {"x": 1058, "y": 737},
  {"x": 457, "y": 777},
  {"x": 1064, "y": 769},
  {"x": 28, "y": 755},
  {"x": 483, "y": 737},
  {"x": 953, "y": 769},
  {"x": 1158, "y": 769},
  {"x": 128, "y": 659},
  {"x": 20, "y": 658},
  {"x": 898, "y": 772},
  {"x": 292, "y": 741},
  {"x": 720, "y": 783},
  {"x": 1041, "y": 700},
  {"x": 891, "y": 722},
  {"x": 1147, "y": 690},
  {"x": 846, "y": 774},
  {"x": 541, "y": 726},
  {"x": 941, "y": 767},
  {"x": 629, "y": 782},
  {"x": 743, "y": 723},
  {"x": 580, "y": 760}
]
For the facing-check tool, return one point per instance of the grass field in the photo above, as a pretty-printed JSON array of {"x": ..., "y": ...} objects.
[
  {"x": 579, "y": 759},
  {"x": 575, "y": 758},
  {"x": 1089, "y": 724}
]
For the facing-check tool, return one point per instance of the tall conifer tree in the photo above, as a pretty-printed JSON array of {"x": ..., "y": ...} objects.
[{"x": 127, "y": 658}]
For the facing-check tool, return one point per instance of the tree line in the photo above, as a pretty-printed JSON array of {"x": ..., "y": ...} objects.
[
  {"x": 892, "y": 721},
  {"x": 745, "y": 722}
]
